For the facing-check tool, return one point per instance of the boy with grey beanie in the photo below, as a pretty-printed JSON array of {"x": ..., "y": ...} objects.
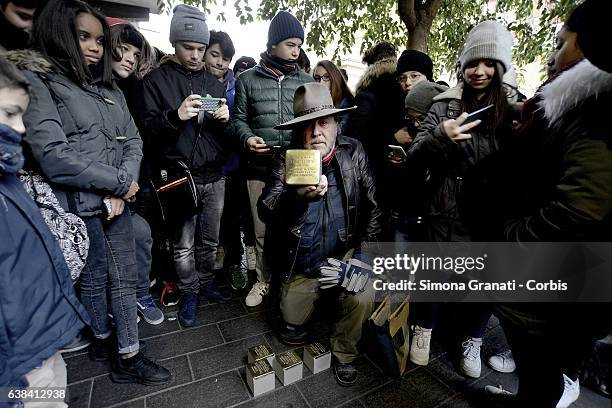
[
  {"x": 176, "y": 129},
  {"x": 188, "y": 24}
]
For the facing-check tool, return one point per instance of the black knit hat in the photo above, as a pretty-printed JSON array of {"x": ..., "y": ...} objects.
[
  {"x": 413, "y": 60},
  {"x": 244, "y": 63},
  {"x": 284, "y": 25},
  {"x": 593, "y": 33}
]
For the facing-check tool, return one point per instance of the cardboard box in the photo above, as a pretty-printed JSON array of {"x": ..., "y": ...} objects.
[
  {"x": 260, "y": 377},
  {"x": 288, "y": 367},
  {"x": 317, "y": 357},
  {"x": 259, "y": 352}
]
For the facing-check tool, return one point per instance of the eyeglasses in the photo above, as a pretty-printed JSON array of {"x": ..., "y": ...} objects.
[
  {"x": 318, "y": 78},
  {"x": 415, "y": 76},
  {"x": 413, "y": 121}
]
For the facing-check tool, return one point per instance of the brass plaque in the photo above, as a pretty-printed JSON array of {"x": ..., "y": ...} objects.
[
  {"x": 288, "y": 359},
  {"x": 259, "y": 368},
  {"x": 303, "y": 167}
]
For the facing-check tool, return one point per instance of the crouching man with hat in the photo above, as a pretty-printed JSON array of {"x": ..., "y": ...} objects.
[{"x": 310, "y": 228}]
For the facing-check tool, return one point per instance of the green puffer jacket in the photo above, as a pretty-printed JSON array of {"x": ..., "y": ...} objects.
[{"x": 263, "y": 101}]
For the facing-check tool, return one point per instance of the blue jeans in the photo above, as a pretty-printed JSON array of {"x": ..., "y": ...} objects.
[
  {"x": 143, "y": 244},
  {"x": 111, "y": 263},
  {"x": 207, "y": 223}
]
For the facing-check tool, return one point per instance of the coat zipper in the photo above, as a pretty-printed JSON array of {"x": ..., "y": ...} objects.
[{"x": 280, "y": 108}]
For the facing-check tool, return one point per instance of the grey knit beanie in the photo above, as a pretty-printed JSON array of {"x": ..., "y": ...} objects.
[
  {"x": 188, "y": 24},
  {"x": 420, "y": 97},
  {"x": 488, "y": 40}
]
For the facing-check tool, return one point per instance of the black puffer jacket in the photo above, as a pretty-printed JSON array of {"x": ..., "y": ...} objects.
[
  {"x": 82, "y": 136},
  {"x": 168, "y": 137},
  {"x": 448, "y": 163},
  {"x": 263, "y": 101},
  {"x": 284, "y": 211}
]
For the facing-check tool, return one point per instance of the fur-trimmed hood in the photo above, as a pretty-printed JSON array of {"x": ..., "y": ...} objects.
[
  {"x": 30, "y": 60},
  {"x": 572, "y": 87},
  {"x": 375, "y": 71}
]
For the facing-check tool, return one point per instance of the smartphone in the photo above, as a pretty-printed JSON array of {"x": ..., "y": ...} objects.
[
  {"x": 476, "y": 115},
  {"x": 398, "y": 151},
  {"x": 210, "y": 104}
]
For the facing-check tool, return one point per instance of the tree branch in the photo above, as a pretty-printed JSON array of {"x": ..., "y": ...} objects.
[
  {"x": 407, "y": 13},
  {"x": 431, "y": 8}
]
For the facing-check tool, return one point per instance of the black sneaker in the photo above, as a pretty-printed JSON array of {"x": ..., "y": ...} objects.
[
  {"x": 139, "y": 369},
  {"x": 291, "y": 335},
  {"x": 214, "y": 293},
  {"x": 102, "y": 349},
  {"x": 346, "y": 374}
]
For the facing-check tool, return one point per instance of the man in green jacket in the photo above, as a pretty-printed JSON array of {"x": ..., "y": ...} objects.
[{"x": 264, "y": 99}]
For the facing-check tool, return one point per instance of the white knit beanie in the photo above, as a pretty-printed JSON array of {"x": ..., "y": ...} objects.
[{"x": 488, "y": 40}]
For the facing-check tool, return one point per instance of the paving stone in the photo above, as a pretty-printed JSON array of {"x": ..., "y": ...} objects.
[
  {"x": 146, "y": 330},
  {"x": 353, "y": 404},
  {"x": 78, "y": 394},
  {"x": 222, "y": 391},
  {"x": 589, "y": 398},
  {"x": 217, "y": 312},
  {"x": 419, "y": 389},
  {"x": 322, "y": 390},
  {"x": 246, "y": 326},
  {"x": 461, "y": 401},
  {"x": 133, "y": 404},
  {"x": 184, "y": 341},
  {"x": 106, "y": 392},
  {"x": 448, "y": 371},
  {"x": 222, "y": 358},
  {"x": 81, "y": 367},
  {"x": 286, "y": 397}
]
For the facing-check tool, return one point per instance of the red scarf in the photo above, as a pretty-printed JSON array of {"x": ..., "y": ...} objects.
[{"x": 329, "y": 156}]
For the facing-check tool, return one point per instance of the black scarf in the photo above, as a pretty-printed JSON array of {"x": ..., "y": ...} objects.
[{"x": 277, "y": 66}]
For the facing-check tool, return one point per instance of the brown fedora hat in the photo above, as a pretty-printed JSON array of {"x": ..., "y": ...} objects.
[{"x": 311, "y": 101}]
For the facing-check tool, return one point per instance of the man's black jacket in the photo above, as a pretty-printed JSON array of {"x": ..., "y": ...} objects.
[{"x": 284, "y": 211}]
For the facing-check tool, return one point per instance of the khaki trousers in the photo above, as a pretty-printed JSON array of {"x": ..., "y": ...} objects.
[
  {"x": 353, "y": 309},
  {"x": 255, "y": 188}
]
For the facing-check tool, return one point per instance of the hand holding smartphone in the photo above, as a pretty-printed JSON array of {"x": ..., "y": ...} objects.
[{"x": 480, "y": 114}]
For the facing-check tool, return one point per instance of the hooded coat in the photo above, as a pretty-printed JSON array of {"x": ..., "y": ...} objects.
[
  {"x": 81, "y": 135},
  {"x": 167, "y": 137},
  {"x": 39, "y": 311},
  {"x": 379, "y": 112},
  {"x": 562, "y": 189}
]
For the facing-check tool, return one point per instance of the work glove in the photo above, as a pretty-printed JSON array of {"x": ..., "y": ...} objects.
[{"x": 352, "y": 276}]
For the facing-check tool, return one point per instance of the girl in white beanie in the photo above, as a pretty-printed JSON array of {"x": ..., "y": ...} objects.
[{"x": 449, "y": 149}]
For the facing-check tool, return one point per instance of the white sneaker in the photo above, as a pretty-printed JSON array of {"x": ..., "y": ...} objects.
[
  {"x": 571, "y": 392},
  {"x": 419, "y": 347},
  {"x": 251, "y": 258},
  {"x": 470, "y": 364},
  {"x": 219, "y": 258},
  {"x": 503, "y": 362},
  {"x": 255, "y": 296}
]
